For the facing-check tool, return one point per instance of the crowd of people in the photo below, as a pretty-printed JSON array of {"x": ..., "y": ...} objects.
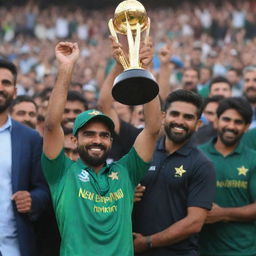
[
  {"x": 221, "y": 37},
  {"x": 127, "y": 180}
]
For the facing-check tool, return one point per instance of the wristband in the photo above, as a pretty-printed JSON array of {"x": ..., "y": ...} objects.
[{"x": 148, "y": 242}]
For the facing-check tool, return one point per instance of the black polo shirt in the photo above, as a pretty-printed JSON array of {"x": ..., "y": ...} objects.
[
  {"x": 123, "y": 141},
  {"x": 173, "y": 183}
]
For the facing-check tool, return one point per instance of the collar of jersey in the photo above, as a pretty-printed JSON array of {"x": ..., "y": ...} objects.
[
  {"x": 184, "y": 150},
  {"x": 238, "y": 149},
  {"x": 100, "y": 180}
]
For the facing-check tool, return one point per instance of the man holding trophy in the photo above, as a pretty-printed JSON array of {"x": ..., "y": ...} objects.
[{"x": 93, "y": 201}]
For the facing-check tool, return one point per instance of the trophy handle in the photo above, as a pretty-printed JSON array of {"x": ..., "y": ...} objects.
[
  {"x": 122, "y": 58},
  {"x": 147, "y": 31}
]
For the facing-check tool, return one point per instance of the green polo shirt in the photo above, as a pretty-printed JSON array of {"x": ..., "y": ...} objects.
[
  {"x": 236, "y": 187},
  {"x": 204, "y": 92},
  {"x": 94, "y": 210},
  {"x": 249, "y": 138}
]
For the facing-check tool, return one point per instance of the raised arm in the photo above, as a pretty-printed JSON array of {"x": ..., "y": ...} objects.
[
  {"x": 105, "y": 101},
  {"x": 165, "y": 71},
  {"x": 146, "y": 140},
  {"x": 67, "y": 54}
]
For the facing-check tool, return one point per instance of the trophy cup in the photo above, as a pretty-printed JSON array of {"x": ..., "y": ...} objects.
[{"x": 134, "y": 86}]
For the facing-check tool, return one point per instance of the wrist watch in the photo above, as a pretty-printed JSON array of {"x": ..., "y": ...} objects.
[{"x": 148, "y": 242}]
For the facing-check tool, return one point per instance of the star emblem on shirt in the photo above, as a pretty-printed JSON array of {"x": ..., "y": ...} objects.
[
  {"x": 179, "y": 171},
  {"x": 113, "y": 175},
  {"x": 242, "y": 171},
  {"x": 95, "y": 113}
]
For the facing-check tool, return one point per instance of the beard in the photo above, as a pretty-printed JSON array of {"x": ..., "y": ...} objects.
[
  {"x": 92, "y": 160},
  {"x": 29, "y": 124},
  {"x": 5, "y": 104},
  {"x": 250, "y": 94},
  {"x": 190, "y": 86},
  {"x": 229, "y": 142},
  {"x": 68, "y": 123},
  {"x": 174, "y": 137}
]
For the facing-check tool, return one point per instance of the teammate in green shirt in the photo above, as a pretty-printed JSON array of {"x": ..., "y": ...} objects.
[
  {"x": 249, "y": 138},
  {"x": 92, "y": 200},
  {"x": 231, "y": 225}
]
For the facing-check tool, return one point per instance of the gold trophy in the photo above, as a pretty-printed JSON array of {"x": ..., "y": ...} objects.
[{"x": 134, "y": 86}]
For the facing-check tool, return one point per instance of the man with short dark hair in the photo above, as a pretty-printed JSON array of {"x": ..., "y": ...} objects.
[
  {"x": 24, "y": 110},
  {"x": 220, "y": 86},
  {"x": 93, "y": 200},
  {"x": 231, "y": 229},
  {"x": 190, "y": 79},
  {"x": 210, "y": 107},
  {"x": 75, "y": 105},
  {"x": 24, "y": 193},
  {"x": 249, "y": 89},
  {"x": 208, "y": 130},
  {"x": 180, "y": 185},
  {"x": 234, "y": 77}
]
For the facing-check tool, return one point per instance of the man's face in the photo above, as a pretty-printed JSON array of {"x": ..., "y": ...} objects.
[
  {"x": 250, "y": 86},
  {"x": 94, "y": 142},
  {"x": 180, "y": 121},
  {"x": 71, "y": 110},
  {"x": 230, "y": 127},
  {"x": 7, "y": 89},
  {"x": 25, "y": 112},
  {"x": 70, "y": 147},
  {"x": 205, "y": 75},
  {"x": 232, "y": 77},
  {"x": 190, "y": 80},
  {"x": 210, "y": 111},
  {"x": 222, "y": 89}
]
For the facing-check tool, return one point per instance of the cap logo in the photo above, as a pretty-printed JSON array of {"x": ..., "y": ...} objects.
[
  {"x": 179, "y": 171},
  {"x": 94, "y": 113}
]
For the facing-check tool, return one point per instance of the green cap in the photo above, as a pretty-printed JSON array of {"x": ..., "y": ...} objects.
[{"x": 88, "y": 115}]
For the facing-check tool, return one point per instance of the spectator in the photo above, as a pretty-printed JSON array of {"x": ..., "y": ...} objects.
[
  {"x": 24, "y": 110},
  {"x": 220, "y": 86},
  {"x": 24, "y": 193},
  {"x": 249, "y": 76},
  {"x": 190, "y": 79},
  {"x": 208, "y": 130},
  {"x": 75, "y": 105},
  {"x": 234, "y": 78}
]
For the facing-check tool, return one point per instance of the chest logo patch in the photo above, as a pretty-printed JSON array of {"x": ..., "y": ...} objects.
[
  {"x": 84, "y": 176},
  {"x": 242, "y": 170},
  {"x": 179, "y": 171},
  {"x": 113, "y": 175},
  {"x": 152, "y": 168}
]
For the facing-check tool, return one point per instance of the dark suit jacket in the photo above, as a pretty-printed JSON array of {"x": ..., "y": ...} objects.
[{"x": 27, "y": 175}]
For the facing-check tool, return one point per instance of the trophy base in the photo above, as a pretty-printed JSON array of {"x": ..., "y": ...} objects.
[{"x": 135, "y": 87}]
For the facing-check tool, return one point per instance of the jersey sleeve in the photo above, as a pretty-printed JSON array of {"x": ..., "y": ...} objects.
[
  {"x": 55, "y": 169},
  {"x": 202, "y": 185}
]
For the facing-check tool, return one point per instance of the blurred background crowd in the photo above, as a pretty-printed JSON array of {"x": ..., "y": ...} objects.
[
  {"x": 205, "y": 46},
  {"x": 217, "y": 36}
]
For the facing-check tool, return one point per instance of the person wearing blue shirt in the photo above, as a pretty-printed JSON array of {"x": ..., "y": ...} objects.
[{"x": 24, "y": 193}]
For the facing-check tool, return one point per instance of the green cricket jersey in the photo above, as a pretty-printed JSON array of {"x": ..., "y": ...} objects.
[
  {"x": 236, "y": 187},
  {"x": 94, "y": 210},
  {"x": 249, "y": 138}
]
